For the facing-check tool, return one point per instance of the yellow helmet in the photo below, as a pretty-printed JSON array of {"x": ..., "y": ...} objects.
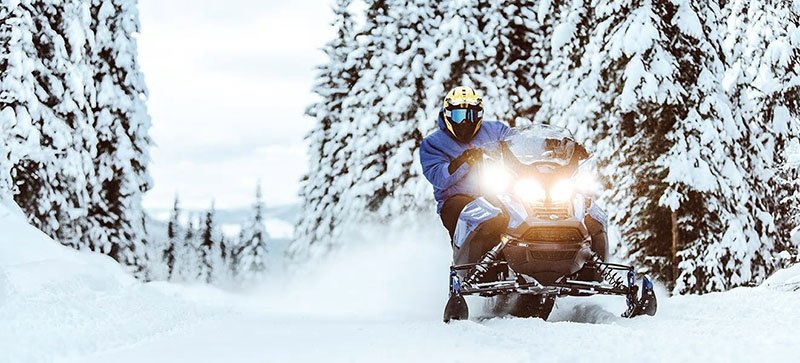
[{"x": 462, "y": 112}]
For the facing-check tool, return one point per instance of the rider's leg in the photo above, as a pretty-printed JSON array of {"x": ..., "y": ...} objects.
[
  {"x": 596, "y": 222},
  {"x": 487, "y": 238},
  {"x": 488, "y": 234},
  {"x": 599, "y": 237},
  {"x": 451, "y": 209}
]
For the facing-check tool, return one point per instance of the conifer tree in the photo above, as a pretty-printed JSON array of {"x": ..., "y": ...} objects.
[
  {"x": 253, "y": 245},
  {"x": 387, "y": 134},
  {"x": 51, "y": 182},
  {"x": 329, "y": 139},
  {"x": 234, "y": 255},
  {"x": 20, "y": 108},
  {"x": 224, "y": 271},
  {"x": 676, "y": 135},
  {"x": 122, "y": 126},
  {"x": 188, "y": 259},
  {"x": 173, "y": 240},
  {"x": 762, "y": 50},
  {"x": 71, "y": 74},
  {"x": 210, "y": 244},
  {"x": 573, "y": 98},
  {"x": 515, "y": 47}
]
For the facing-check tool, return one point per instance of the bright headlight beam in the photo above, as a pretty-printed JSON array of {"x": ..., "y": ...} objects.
[
  {"x": 586, "y": 182},
  {"x": 496, "y": 178},
  {"x": 562, "y": 191},
  {"x": 529, "y": 190}
]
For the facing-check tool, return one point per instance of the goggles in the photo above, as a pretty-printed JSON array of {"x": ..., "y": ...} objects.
[{"x": 459, "y": 115}]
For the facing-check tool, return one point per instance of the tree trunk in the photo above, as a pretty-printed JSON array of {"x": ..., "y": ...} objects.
[{"x": 675, "y": 242}]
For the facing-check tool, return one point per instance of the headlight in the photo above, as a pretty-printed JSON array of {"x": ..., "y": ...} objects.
[
  {"x": 562, "y": 191},
  {"x": 529, "y": 190},
  {"x": 496, "y": 178},
  {"x": 586, "y": 182}
]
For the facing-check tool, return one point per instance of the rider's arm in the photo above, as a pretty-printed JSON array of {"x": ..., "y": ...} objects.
[
  {"x": 434, "y": 167},
  {"x": 499, "y": 131},
  {"x": 503, "y": 131}
]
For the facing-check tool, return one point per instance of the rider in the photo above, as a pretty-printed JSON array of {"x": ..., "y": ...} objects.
[{"x": 449, "y": 155}]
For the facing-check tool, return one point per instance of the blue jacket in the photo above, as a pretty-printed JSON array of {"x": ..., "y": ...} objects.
[{"x": 439, "y": 148}]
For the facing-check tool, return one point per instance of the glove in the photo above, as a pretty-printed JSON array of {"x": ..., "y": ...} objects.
[
  {"x": 580, "y": 152},
  {"x": 469, "y": 156}
]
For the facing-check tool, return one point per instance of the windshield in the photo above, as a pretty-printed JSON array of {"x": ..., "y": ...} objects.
[{"x": 541, "y": 143}]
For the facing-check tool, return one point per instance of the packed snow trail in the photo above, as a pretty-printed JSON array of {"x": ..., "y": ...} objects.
[
  {"x": 745, "y": 325},
  {"x": 375, "y": 301}
]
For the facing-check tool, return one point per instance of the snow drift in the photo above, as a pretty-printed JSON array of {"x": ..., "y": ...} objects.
[
  {"x": 31, "y": 262},
  {"x": 787, "y": 279},
  {"x": 56, "y": 302}
]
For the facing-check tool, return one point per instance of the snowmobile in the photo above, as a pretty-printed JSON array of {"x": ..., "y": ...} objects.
[{"x": 535, "y": 194}]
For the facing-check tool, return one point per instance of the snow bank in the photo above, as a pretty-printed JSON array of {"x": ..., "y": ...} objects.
[
  {"x": 31, "y": 262},
  {"x": 787, "y": 279},
  {"x": 56, "y": 302}
]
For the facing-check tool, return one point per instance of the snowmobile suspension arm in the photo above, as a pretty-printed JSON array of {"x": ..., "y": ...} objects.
[{"x": 564, "y": 286}]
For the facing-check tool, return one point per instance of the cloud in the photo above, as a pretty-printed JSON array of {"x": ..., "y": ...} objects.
[
  {"x": 215, "y": 13},
  {"x": 229, "y": 82},
  {"x": 199, "y": 181},
  {"x": 284, "y": 66}
]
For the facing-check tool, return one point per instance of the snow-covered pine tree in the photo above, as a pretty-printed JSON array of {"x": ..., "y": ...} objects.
[
  {"x": 762, "y": 49},
  {"x": 572, "y": 99},
  {"x": 514, "y": 38},
  {"x": 19, "y": 104},
  {"x": 320, "y": 188},
  {"x": 211, "y": 263},
  {"x": 718, "y": 243},
  {"x": 122, "y": 126},
  {"x": 459, "y": 55},
  {"x": 644, "y": 224},
  {"x": 389, "y": 99},
  {"x": 234, "y": 248},
  {"x": 678, "y": 191},
  {"x": 174, "y": 237},
  {"x": 252, "y": 250},
  {"x": 223, "y": 273},
  {"x": 188, "y": 258},
  {"x": 58, "y": 85},
  {"x": 75, "y": 108},
  {"x": 51, "y": 184}
]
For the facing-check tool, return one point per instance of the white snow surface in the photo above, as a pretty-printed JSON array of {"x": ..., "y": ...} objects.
[
  {"x": 787, "y": 279},
  {"x": 56, "y": 302},
  {"x": 377, "y": 299}
]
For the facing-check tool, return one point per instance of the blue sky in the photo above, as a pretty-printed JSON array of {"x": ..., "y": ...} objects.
[{"x": 229, "y": 81}]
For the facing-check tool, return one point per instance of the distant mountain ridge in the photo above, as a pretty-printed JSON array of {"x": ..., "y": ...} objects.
[
  {"x": 280, "y": 220},
  {"x": 287, "y": 213}
]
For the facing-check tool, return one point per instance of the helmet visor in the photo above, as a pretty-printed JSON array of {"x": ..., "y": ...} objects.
[{"x": 460, "y": 115}]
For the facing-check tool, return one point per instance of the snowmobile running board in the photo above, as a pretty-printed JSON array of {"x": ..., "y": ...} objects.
[{"x": 613, "y": 284}]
